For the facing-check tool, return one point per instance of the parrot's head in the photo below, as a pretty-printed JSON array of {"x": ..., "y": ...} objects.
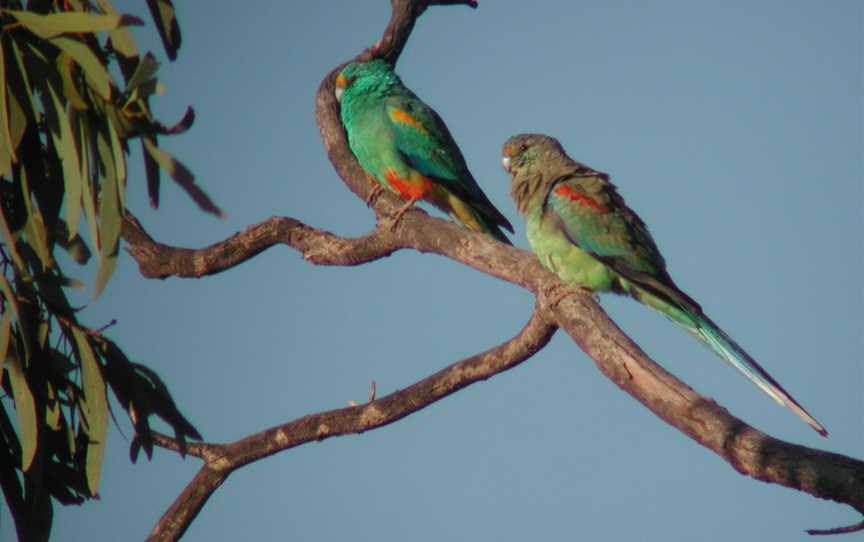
[
  {"x": 529, "y": 159},
  {"x": 364, "y": 77}
]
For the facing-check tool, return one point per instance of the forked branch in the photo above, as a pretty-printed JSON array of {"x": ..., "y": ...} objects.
[{"x": 749, "y": 451}]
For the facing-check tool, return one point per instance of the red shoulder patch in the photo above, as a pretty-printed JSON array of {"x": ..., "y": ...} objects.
[{"x": 583, "y": 200}]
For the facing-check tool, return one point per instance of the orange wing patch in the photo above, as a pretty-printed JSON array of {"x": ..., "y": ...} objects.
[
  {"x": 582, "y": 199},
  {"x": 399, "y": 115},
  {"x": 412, "y": 188}
]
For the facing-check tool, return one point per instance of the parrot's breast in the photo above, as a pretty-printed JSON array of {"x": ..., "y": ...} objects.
[{"x": 558, "y": 254}]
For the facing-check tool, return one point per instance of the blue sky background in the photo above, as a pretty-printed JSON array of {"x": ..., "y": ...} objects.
[{"x": 733, "y": 128}]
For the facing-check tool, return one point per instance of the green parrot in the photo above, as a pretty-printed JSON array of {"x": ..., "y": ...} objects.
[
  {"x": 581, "y": 229},
  {"x": 404, "y": 147}
]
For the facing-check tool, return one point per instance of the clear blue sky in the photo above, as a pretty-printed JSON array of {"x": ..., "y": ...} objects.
[{"x": 733, "y": 128}]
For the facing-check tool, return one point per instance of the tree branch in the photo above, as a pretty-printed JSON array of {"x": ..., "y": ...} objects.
[
  {"x": 749, "y": 451},
  {"x": 156, "y": 260},
  {"x": 222, "y": 459}
]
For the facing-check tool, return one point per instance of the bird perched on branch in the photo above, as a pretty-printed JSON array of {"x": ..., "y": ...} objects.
[
  {"x": 581, "y": 229},
  {"x": 404, "y": 147}
]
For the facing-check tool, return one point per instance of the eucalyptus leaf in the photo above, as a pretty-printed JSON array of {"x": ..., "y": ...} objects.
[
  {"x": 94, "y": 406},
  {"x": 9, "y": 240},
  {"x": 121, "y": 38},
  {"x": 12, "y": 301},
  {"x": 110, "y": 216},
  {"x": 64, "y": 142},
  {"x": 183, "y": 177},
  {"x": 166, "y": 22},
  {"x": 17, "y": 120},
  {"x": 119, "y": 160},
  {"x": 95, "y": 72},
  {"x": 25, "y": 406},
  {"x": 70, "y": 22},
  {"x": 65, "y": 67},
  {"x": 7, "y": 152},
  {"x": 36, "y": 234},
  {"x": 145, "y": 71},
  {"x": 87, "y": 192},
  {"x": 52, "y": 410}
]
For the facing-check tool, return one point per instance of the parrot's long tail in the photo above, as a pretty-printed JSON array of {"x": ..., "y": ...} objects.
[{"x": 689, "y": 316}]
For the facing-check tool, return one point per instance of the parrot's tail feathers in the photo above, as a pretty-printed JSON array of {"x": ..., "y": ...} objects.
[
  {"x": 723, "y": 345},
  {"x": 475, "y": 220},
  {"x": 495, "y": 231}
]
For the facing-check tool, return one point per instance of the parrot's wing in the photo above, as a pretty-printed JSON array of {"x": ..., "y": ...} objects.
[
  {"x": 593, "y": 216},
  {"x": 427, "y": 146}
]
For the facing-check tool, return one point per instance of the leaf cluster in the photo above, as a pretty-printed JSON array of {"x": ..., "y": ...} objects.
[{"x": 66, "y": 127}]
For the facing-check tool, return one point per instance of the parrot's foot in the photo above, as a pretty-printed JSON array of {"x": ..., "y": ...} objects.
[
  {"x": 394, "y": 222},
  {"x": 373, "y": 195}
]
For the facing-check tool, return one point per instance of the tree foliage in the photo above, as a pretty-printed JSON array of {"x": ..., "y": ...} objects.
[{"x": 66, "y": 127}]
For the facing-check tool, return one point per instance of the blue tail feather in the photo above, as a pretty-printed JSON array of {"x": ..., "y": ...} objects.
[{"x": 725, "y": 347}]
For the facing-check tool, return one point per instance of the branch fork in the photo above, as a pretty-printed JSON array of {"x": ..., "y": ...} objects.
[{"x": 749, "y": 451}]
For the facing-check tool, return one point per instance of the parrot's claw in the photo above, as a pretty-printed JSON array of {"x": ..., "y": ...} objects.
[
  {"x": 373, "y": 195},
  {"x": 394, "y": 222}
]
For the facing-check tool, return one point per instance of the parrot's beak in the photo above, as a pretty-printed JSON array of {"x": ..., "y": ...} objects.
[
  {"x": 505, "y": 161},
  {"x": 341, "y": 83}
]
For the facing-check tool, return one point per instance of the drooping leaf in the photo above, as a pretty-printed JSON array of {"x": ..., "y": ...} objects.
[
  {"x": 87, "y": 192},
  {"x": 110, "y": 216},
  {"x": 166, "y": 22},
  {"x": 64, "y": 142},
  {"x": 5, "y": 333},
  {"x": 17, "y": 120},
  {"x": 9, "y": 240},
  {"x": 12, "y": 302},
  {"x": 20, "y": 84},
  {"x": 120, "y": 38},
  {"x": 66, "y": 484},
  {"x": 183, "y": 177},
  {"x": 119, "y": 162},
  {"x": 7, "y": 151},
  {"x": 146, "y": 70},
  {"x": 66, "y": 69},
  {"x": 25, "y": 406},
  {"x": 69, "y": 22},
  {"x": 95, "y": 408},
  {"x": 151, "y": 168},
  {"x": 142, "y": 393},
  {"x": 37, "y": 236},
  {"x": 10, "y": 436},
  {"x": 10, "y": 457},
  {"x": 76, "y": 247},
  {"x": 22, "y": 70},
  {"x": 95, "y": 73},
  {"x": 52, "y": 409}
]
